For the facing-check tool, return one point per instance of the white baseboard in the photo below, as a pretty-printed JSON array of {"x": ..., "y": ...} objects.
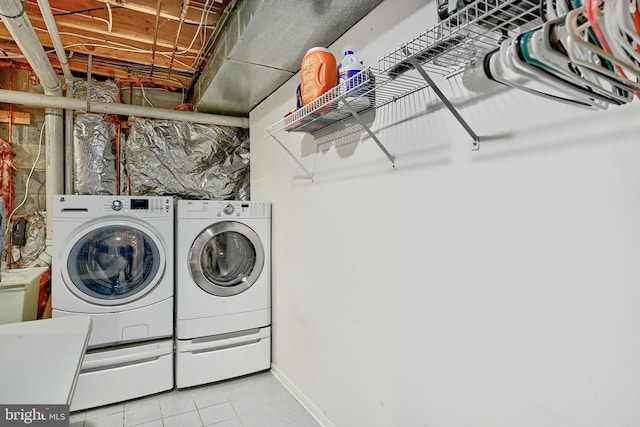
[{"x": 300, "y": 397}]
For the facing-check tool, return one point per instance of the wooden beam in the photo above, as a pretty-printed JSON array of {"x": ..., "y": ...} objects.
[
  {"x": 170, "y": 10},
  {"x": 19, "y": 117},
  {"x": 135, "y": 30},
  {"x": 127, "y": 51},
  {"x": 117, "y": 73}
]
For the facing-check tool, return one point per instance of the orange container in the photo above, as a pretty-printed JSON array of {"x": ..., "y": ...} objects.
[{"x": 318, "y": 74}]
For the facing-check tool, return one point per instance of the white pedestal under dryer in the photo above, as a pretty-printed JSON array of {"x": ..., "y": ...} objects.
[
  {"x": 223, "y": 290},
  {"x": 113, "y": 260}
]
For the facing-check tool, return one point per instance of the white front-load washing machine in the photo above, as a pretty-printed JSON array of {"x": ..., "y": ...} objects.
[
  {"x": 113, "y": 260},
  {"x": 223, "y": 290}
]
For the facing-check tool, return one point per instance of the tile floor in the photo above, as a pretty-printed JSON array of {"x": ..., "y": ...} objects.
[{"x": 254, "y": 400}]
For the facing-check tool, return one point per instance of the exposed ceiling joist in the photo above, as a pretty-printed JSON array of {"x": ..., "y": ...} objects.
[
  {"x": 238, "y": 51},
  {"x": 172, "y": 10},
  {"x": 153, "y": 42}
]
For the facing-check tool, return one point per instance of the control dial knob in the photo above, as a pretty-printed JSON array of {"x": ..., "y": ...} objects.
[
  {"x": 116, "y": 205},
  {"x": 228, "y": 209}
]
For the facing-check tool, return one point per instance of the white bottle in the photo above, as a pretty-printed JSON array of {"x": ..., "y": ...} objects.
[{"x": 353, "y": 79}]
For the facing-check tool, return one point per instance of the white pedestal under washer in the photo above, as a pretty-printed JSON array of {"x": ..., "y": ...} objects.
[
  {"x": 113, "y": 260},
  {"x": 223, "y": 290}
]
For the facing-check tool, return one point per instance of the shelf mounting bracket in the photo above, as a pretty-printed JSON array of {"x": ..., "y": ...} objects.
[
  {"x": 447, "y": 103},
  {"x": 295, "y": 159},
  {"x": 355, "y": 114}
]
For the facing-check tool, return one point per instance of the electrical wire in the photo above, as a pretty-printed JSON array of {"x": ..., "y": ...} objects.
[
  {"x": 107, "y": 63},
  {"x": 110, "y": 16},
  {"x": 203, "y": 34},
  {"x": 210, "y": 43},
  {"x": 26, "y": 187},
  {"x": 203, "y": 15},
  {"x": 145, "y": 96},
  {"x": 182, "y": 89},
  {"x": 166, "y": 55},
  {"x": 203, "y": 37},
  {"x": 76, "y": 12},
  {"x": 108, "y": 4},
  {"x": 111, "y": 45},
  {"x": 128, "y": 48}
]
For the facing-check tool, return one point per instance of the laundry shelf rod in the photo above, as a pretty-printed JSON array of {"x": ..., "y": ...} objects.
[
  {"x": 465, "y": 35},
  {"x": 456, "y": 41}
]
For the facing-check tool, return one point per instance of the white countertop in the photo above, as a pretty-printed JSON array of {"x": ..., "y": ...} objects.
[{"x": 40, "y": 360}]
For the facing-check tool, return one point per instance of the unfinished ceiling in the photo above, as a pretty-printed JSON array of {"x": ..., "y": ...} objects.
[
  {"x": 263, "y": 45},
  {"x": 225, "y": 55},
  {"x": 153, "y": 42}
]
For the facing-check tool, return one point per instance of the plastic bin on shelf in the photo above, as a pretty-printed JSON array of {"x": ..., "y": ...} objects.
[{"x": 19, "y": 290}]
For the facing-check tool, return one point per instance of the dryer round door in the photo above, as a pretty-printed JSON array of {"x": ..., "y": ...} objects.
[
  {"x": 226, "y": 258},
  {"x": 114, "y": 263}
]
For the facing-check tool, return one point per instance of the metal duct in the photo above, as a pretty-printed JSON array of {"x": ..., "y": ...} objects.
[{"x": 262, "y": 47}]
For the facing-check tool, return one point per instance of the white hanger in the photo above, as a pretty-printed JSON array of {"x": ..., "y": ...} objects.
[
  {"x": 496, "y": 70},
  {"x": 541, "y": 49},
  {"x": 552, "y": 79},
  {"x": 616, "y": 20},
  {"x": 577, "y": 36}
]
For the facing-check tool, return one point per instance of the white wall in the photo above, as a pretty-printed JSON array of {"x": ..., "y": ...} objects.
[{"x": 497, "y": 287}]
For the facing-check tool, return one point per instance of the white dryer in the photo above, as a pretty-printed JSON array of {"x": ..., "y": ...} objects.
[
  {"x": 113, "y": 260},
  {"x": 223, "y": 290}
]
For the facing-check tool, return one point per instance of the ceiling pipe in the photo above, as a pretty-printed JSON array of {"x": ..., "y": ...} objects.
[
  {"x": 47, "y": 15},
  {"x": 155, "y": 37},
  {"x": 14, "y": 17},
  {"x": 37, "y": 100},
  {"x": 183, "y": 15}
]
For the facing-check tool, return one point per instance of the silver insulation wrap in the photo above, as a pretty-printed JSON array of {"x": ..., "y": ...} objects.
[
  {"x": 94, "y": 169},
  {"x": 28, "y": 254},
  {"x": 100, "y": 92},
  {"x": 94, "y": 157},
  {"x": 188, "y": 160}
]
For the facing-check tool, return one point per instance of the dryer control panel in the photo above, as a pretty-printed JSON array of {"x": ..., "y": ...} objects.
[
  {"x": 243, "y": 209},
  {"x": 227, "y": 208}
]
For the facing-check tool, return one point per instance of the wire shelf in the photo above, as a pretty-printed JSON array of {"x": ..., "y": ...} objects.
[
  {"x": 465, "y": 35},
  {"x": 469, "y": 33},
  {"x": 367, "y": 89}
]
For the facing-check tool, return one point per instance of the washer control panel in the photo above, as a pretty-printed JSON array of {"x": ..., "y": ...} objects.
[
  {"x": 75, "y": 206},
  {"x": 145, "y": 206},
  {"x": 117, "y": 205}
]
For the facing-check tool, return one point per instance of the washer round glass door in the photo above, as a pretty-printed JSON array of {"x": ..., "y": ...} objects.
[
  {"x": 113, "y": 263},
  {"x": 226, "y": 258}
]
